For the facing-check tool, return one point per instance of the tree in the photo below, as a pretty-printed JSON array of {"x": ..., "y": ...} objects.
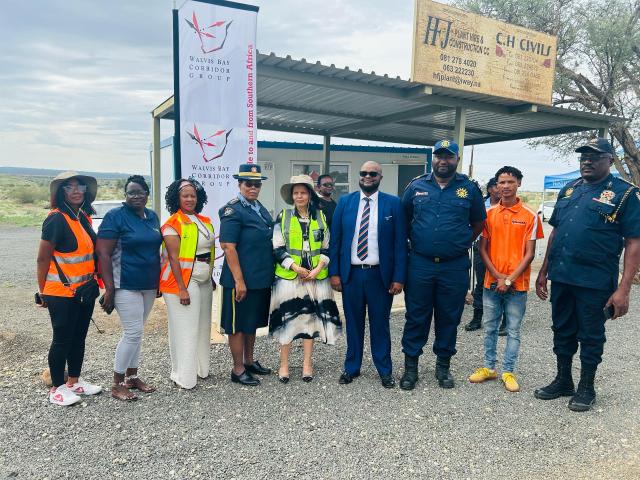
[{"x": 598, "y": 63}]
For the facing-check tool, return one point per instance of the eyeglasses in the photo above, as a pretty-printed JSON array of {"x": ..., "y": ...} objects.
[
  {"x": 369, "y": 174},
  {"x": 328, "y": 184},
  {"x": 253, "y": 183},
  {"x": 75, "y": 188},
  {"x": 594, "y": 157},
  {"x": 136, "y": 193}
]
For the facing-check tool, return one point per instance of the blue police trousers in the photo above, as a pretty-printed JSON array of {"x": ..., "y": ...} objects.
[
  {"x": 434, "y": 290},
  {"x": 577, "y": 317}
]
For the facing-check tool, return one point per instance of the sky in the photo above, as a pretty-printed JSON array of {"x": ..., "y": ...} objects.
[{"x": 80, "y": 78}]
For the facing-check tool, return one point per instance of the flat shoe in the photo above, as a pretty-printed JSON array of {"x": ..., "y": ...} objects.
[
  {"x": 257, "y": 369},
  {"x": 307, "y": 378},
  {"x": 283, "y": 379},
  {"x": 245, "y": 378}
]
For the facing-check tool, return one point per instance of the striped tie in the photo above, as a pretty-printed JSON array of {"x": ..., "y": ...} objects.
[{"x": 363, "y": 233}]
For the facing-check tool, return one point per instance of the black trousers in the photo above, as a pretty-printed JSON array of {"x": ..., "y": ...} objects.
[
  {"x": 70, "y": 322},
  {"x": 479, "y": 270},
  {"x": 578, "y": 318}
]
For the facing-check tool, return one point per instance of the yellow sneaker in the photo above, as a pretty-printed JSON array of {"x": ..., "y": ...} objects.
[
  {"x": 510, "y": 382},
  {"x": 483, "y": 374}
]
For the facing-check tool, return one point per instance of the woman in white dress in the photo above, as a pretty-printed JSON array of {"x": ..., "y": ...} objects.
[
  {"x": 302, "y": 304},
  {"x": 186, "y": 283}
]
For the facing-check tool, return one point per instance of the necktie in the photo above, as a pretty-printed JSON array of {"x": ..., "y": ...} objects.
[{"x": 363, "y": 233}]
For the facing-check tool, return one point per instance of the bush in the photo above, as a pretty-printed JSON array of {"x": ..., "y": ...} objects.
[{"x": 30, "y": 194}]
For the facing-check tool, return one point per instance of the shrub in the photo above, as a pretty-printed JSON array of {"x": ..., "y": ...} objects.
[{"x": 30, "y": 194}]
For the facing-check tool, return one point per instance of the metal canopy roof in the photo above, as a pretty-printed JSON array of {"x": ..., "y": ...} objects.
[{"x": 311, "y": 98}]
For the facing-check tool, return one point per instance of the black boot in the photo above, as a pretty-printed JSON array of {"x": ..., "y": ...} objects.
[
  {"x": 476, "y": 321},
  {"x": 502, "y": 331},
  {"x": 562, "y": 385},
  {"x": 410, "y": 375},
  {"x": 445, "y": 379},
  {"x": 585, "y": 397}
]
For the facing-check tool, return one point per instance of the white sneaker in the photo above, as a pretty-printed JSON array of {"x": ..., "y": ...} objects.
[
  {"x": 84, "y": 388},
  {"x": 63, "y": 396}
]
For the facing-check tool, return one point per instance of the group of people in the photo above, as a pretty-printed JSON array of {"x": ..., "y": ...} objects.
[{"x": 370, "y": 246}]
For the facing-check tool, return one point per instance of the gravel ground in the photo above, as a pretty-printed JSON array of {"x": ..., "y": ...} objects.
[{"x": 317, "y": 430}]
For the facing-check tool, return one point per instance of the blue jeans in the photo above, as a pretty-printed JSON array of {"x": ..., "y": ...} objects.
[{"x": 514, "y": 304}]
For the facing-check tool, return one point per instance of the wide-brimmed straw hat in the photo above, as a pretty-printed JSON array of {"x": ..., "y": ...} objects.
[
  {"x": 90, "y": 182},
  {"x": 286, "y": 190}
]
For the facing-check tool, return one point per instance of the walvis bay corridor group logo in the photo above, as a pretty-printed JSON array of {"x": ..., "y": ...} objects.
[
  {"x": 214, "y": 145},
  {"x": 213, "y": 37}
]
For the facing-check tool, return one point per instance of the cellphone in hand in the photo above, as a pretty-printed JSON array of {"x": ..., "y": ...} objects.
[
  {"x": 38, "y": 298},
  {"x": 608, "y": 312},
  {"x": 101, "y": 301}
]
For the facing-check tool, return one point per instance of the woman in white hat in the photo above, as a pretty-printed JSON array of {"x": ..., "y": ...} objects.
[
  {"x": 302, "y": 304},
  {"x": 66, "y": 261}
]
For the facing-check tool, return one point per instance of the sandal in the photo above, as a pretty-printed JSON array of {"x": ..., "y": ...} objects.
[
  {"x": 133, "y": 381},
  {"x": 120, "y": 392}
]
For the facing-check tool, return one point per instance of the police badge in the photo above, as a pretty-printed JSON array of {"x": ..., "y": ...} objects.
[
  {"x": 462, "y": 193},
  {"x": 606, "y": 197}
]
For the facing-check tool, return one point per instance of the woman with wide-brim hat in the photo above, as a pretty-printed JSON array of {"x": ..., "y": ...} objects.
[
  {"x": 66, "y": 261},
  {"x": 302, "y": 304},
  {"x": 246, "y": 228}
]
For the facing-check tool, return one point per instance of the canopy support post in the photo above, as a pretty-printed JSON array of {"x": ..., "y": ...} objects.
[
  {"x": 458, "y": 132},
  {"x": 156, "y": 166},
  {"x": 326, "y": 152}
]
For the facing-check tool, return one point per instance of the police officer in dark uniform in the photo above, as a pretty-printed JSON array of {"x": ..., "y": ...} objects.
[
  {"x": 594, "y": 218},
  {"x": 246, "y": 231},
  {"x": 445, "y": 211}
]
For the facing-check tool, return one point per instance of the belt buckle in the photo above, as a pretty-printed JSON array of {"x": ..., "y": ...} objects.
[
  {"x": 436, "y": 259},
  {"x": 366, "y": 267}
]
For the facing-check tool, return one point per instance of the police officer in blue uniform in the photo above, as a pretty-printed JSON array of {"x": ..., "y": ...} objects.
[
  {"x": 594, "y": 218},
  {"x": 246, "y": 231},
  {"x": 445, "y": 211}
]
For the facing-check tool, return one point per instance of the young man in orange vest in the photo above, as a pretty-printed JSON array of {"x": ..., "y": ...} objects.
[{"x": 507, "y": 248}]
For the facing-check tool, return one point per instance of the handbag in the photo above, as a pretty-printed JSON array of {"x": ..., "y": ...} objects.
[{"x": 86, "y": 293}]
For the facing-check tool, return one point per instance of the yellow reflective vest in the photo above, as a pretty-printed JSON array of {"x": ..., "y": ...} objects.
[{"x": 292, "y": 234}]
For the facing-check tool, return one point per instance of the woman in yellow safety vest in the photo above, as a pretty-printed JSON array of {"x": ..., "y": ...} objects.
[
  {"x": 65, "y": 262},
  {"x": 302, "y": 304},
  {"x": 186, "y": 282}
]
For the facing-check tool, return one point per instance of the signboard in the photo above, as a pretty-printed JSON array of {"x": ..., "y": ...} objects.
[
  {"x": 215, "y": 96},
  {"x": 456, "y": 49}
]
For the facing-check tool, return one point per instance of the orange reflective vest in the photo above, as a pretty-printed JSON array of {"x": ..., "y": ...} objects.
[
  {"x": 188, "y": 232},
  {"x": 78, "y": 266}
]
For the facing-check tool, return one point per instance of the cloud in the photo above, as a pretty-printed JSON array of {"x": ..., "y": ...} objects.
[{"x": 80, "y": 77}]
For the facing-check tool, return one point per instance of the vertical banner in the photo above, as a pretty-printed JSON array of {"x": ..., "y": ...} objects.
[{"x": 215, "y": 96}]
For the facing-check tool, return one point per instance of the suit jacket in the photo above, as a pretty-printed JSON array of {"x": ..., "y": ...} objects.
[{"x": 392, "y": 238}]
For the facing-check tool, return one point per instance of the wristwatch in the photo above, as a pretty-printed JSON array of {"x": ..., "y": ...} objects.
[{"x": 507, "y": 282}]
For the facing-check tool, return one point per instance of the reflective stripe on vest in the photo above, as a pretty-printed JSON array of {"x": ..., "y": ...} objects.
[
  {"x": 292, "y": 234},
  {"x": 78, "y": 266},
  {"x": 188, "y": 232}
]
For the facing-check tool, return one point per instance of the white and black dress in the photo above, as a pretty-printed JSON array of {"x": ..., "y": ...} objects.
[{"x": 302, "y": 309}]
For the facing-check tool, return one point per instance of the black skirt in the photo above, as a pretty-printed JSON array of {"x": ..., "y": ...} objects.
[{"x": 245, "y": 316}]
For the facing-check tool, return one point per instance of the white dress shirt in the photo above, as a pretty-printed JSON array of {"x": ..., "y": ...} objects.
[{"x": 373, "y": 257}]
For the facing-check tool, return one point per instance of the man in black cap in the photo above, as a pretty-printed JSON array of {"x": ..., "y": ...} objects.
[
  {"x": 445, "y": 212},
  {"x": 594, "y": 218}
]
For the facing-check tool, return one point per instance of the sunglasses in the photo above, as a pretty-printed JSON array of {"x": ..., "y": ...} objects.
[
  {"x": 369, "y": 174},
  {"x": 253, "y": 183},
  {"x": 594, "y": 157},
  {"x": 75, "y": 188},
  {"x": 328, "y": 184}
]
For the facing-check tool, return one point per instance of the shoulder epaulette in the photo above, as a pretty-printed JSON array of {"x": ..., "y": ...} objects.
[
  {"x": 424, "y": 175},
  {"x": 233, "y": 201}
]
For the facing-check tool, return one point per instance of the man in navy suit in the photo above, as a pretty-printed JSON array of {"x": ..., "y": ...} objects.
[{"x": 368, "y": 252}]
